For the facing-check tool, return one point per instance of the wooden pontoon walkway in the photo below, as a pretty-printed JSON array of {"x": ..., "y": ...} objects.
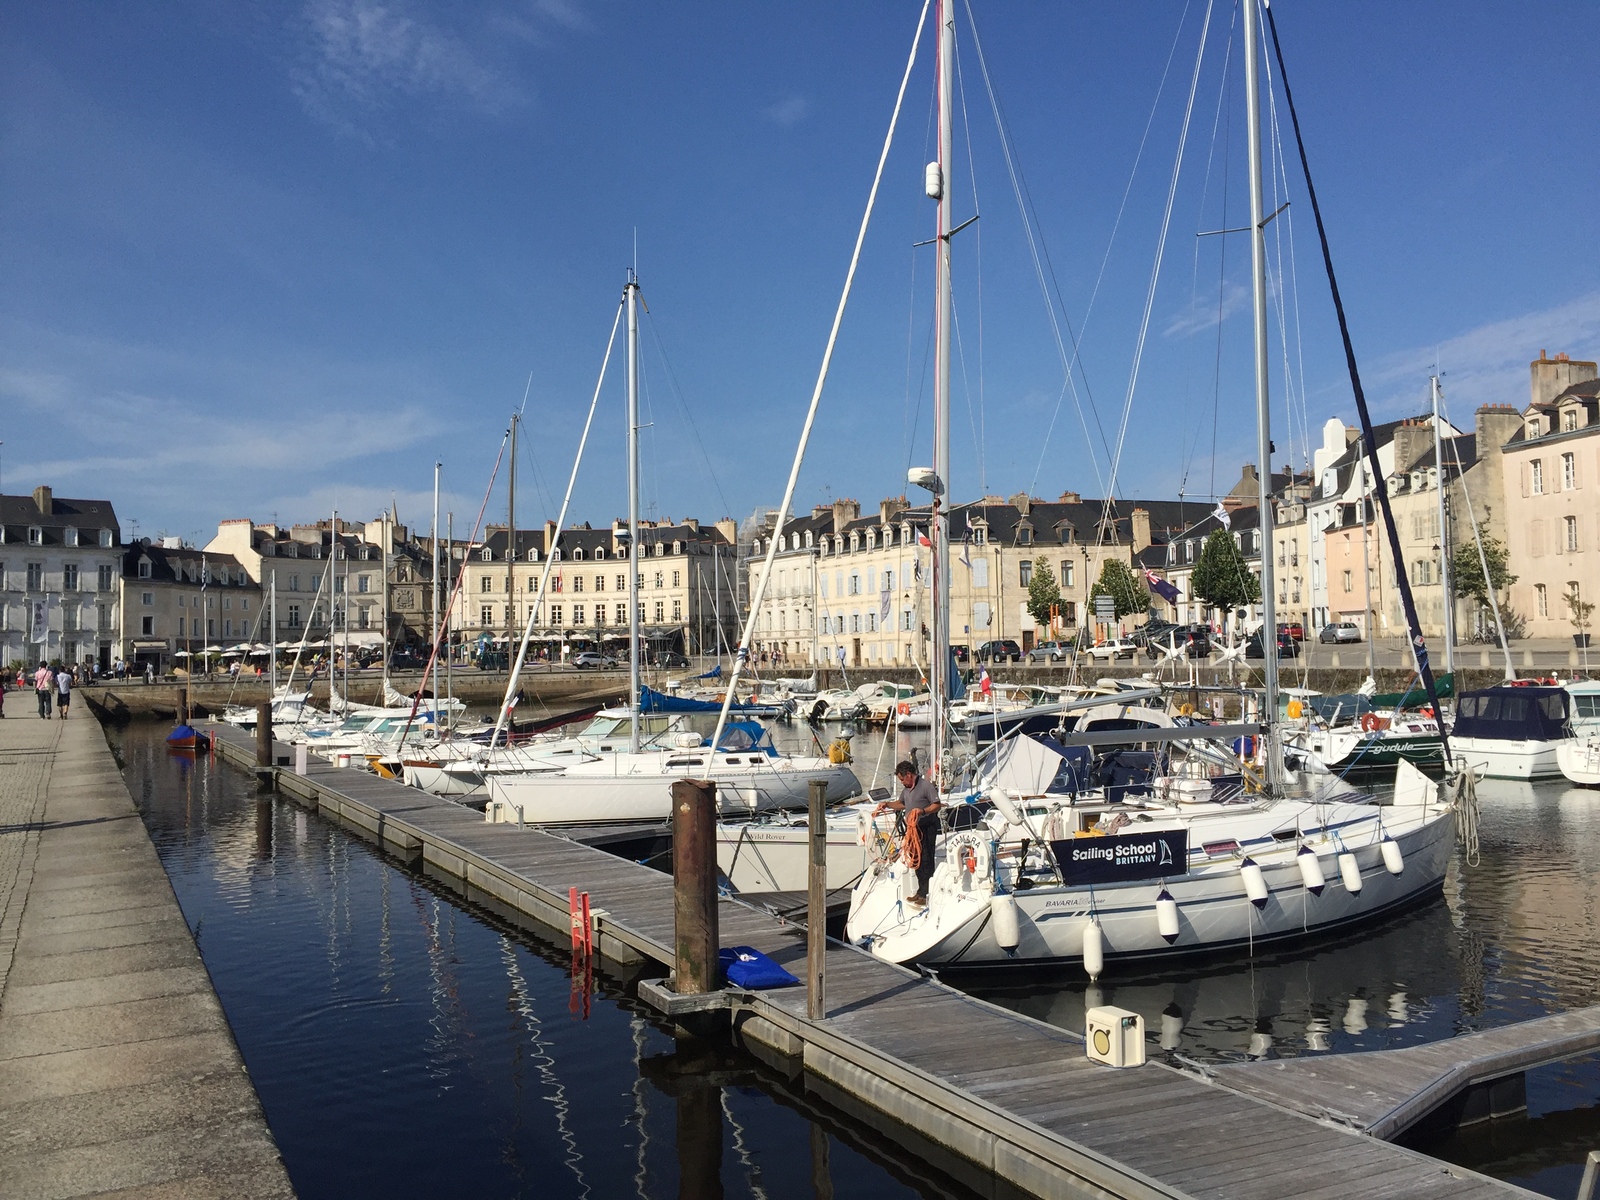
[{"x": 1012, "y": 1096}]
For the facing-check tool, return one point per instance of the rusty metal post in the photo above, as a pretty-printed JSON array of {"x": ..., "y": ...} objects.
[
  {"x": 264, "y": 742},
  {"x": 817, "y": 900},
  {"x": 694, "y": 878}
]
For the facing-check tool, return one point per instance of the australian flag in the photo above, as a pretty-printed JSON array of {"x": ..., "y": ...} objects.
[{"x": 1161, "y": 587}]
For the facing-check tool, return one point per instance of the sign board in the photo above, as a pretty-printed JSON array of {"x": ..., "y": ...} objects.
[
  {"x": 1105, "y": 607},
  {"x": 1116, "y": 858}
]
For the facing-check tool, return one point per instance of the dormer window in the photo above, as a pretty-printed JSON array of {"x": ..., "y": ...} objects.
[
  {"x": 677, "y": 547},
  {"x": 71, "y": 535},
  {"x": 488, "y": 554},
  {"x": 1569, "y": 420},
  {"x": 872, "y": 539},
  {"x": 105, "y": 539},
  {"x": 599, "y": 553},
  {"x": 555, "y": 556},
  {"x": 533, "y": 556},
  {"x": 1024, "y": 536},
  {"x": 144, "y": 568},
  {"x": 808, "y": 539},
  {"x": 577, "y": 554},
  {"x": 35, "y": 536},
  {"x": 980, "y": 535}
]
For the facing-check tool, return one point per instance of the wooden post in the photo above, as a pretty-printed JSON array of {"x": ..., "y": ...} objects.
[
  {"x": 183, "y": 706},
  {"x": 264, "y": 734},
  {"x": 817, "y": 901},
  {"x": 694, "y": 876}
]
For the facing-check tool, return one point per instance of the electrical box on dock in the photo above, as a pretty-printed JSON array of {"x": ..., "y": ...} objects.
[{"x": 1115, "y": 1037}]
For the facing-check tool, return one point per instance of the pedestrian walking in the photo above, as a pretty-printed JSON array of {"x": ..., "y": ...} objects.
[
  {"x": 63, "y": 691},
  {"x": 149, "y": 673},
  {"x": 44, "y": 681}
]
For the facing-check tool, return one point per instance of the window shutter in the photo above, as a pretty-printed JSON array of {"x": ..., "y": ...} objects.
[{"x": 1523, "y": 472}]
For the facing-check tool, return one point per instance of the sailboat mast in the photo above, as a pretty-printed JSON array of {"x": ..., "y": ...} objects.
[
  {"x": 938, "y": 186},
  {"x": 449, "y": 662},
  {"x": 433, "y": 539},
  {"x": 511, "y": 543},
  {"x": 272, "y": 640},
  {"x": 1446, "y": 600},
  {"x": 1258, "y": 275},
  {"x": 633, "y": 512},
  {"x": 1369, "y": 618}
]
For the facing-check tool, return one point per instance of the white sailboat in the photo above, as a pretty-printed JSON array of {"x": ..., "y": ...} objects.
[{"x": 1222, "y": 850}]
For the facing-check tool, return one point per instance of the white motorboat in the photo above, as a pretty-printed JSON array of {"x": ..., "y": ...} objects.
[
  {"x": 760, "y": 857},
  {"x": 635, "y": 786},
  {"x": 1579, "y": 760},
  {"x": 1583, "y": 707},
  {"x": 1511, "y": 731}
]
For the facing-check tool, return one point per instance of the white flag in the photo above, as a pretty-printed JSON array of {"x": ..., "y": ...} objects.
[{"x": 1221, "y": 514}]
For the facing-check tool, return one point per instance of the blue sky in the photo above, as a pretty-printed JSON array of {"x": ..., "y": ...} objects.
[{"x": 265, "y": 260}]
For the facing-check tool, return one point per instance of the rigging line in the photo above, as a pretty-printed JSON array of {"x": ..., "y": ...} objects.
[
  {"x": 1040, "y": 258},
  {"x": 1294, "y": 276},
  {"x": 1155, "y": 268},
  {"x": 1205, "y": 192},
  {"x": 911, "y": 418},
  {"x": 816, "y": 393},
  {"x": 981, "y": 431},
  {"x": 677, "y": 393},
  {"x": 1380, "y": 484},
  {"x": 966, "y": 384},
  {"x": 1222, "y": 258},
  {"x": 1279, "y": 303}
]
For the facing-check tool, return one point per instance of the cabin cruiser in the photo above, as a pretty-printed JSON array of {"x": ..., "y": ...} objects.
[
  {"x": 1579, "y": 757},
  {"x": 1352, "y": 732},
  {"x": 1511, "y": 731}
]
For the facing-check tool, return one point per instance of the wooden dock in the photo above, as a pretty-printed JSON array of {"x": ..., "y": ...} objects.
[{"x": 1012, "y": 1105}]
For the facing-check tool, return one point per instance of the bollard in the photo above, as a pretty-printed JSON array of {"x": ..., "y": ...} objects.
[
  {"x": 817, "y": 901},
  {"x": 302, "y": 758},
  {"x": 694, "y": 886},
  {"x": 264, "y": 739}
]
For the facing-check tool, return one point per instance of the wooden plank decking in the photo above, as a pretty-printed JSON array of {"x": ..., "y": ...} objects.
[{"x": 1013, "y": 1096}]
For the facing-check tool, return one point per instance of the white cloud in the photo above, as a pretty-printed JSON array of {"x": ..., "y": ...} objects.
[
  {"x": 1201, "y": 314},
  {"x": 791, "y": 110},
  {"x": 1488, "y": 364}
]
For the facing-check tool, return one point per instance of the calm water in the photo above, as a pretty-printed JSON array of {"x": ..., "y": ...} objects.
[
  {"x": 404, "y": 1044},
  {"x": 401, "y": 1040}
]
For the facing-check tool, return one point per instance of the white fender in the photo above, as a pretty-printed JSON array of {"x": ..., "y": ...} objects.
[
  {"x": 1171, "y": 1027},
  {"x": 1007, "y": 808},
  {"x": 1255, "y": 884},
  {"x": 1007, "y": 926},
  {"x": 1167, "y": 916},
  {"x": 1392, "y": 857},
  {"x": 1350, "y": 873},
  {"x": 1311, "y": 870},
  {"x": 1094, "y": 949}
]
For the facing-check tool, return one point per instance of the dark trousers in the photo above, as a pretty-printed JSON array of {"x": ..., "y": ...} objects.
[
  {"x": 928, "y": 837},
  {"x": 44, "y": 704}
]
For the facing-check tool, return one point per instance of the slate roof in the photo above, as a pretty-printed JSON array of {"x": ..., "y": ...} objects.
[
  {"x": 166, "y": 565},
  {"x": 18, "y": 513}
]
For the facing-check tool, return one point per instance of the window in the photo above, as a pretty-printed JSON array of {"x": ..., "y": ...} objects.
[
  {"x": 1569, "y": 472},
  {"x": 620, "y": 614},
  {"x": 363, "y": 583},
  {"x": 1348, "y": 587},
  {"x": 1025, "y": 573},
  {"x": 980, "y": 615},
  {"x": 227, "y": 627},
  {"x": 1571, "y": 526},
  {"x": 294, "y": 583},
  {"x": 487, "y": 555},
  {"x": 1536, "y": 477},
  {"x": 980, "y": 535},
  {"x": 211, "y": 627},
  {"x": 677, "y": 610},
  {"x": 180, "y": 626},
  {"x": 486, "y": 584},
  {"x": 855, "y": 583},
  {"x": 69, "y": 619},
  {"x": 147, "y": 625},
  {"x": 577, "y": 614},
  {"x": 1066, "y": 573},
  {"x": 36, "y": 577},
  {"x": 1569, "y": 420},
  {"x": 577, "y": 586},
  {"x": 485, "y": 615},
  {"x": 676, "y": 578},
  {"x": 622, "y": 583},
  {"x": 364, "y": 617},
  {"x": 555, "y": 614},
  {"x": 227, "y": 602},
  {"x": 1188, "y": 551},
  {"x": 144, "y": 568},
  {"x": 70, "y": 536},
  {"x": 294, "y": 616},
  {"x": 1541, "y": 600},
  {"x": 599, "y": 583},
  {"x": 338, "y": 586},
  {"x": 660, "y": 612},
  {"x": 577, "y": 556},
  {"x": 35, "y": 536},
  {"x": 69, "y": 577},
  {"x": 658, "y": 578},
  {"x": 599, "y": 556},
  {"x": 147, "y": 598},
  {"x": 105, "y": 539}
]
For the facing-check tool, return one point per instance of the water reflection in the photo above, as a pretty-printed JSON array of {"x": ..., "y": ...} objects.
[{"x": 405, "y": 1044}]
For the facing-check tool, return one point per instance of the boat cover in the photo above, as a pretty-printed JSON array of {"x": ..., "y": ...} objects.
[
  {"x": 1513, "y": 714},
  {"x": 652, "y": 701}
]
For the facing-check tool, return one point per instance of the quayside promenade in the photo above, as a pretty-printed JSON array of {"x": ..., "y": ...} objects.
[{"x": 118, "y": 1073}]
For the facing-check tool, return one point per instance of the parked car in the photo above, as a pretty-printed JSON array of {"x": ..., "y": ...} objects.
[
  {"x": 403, "y": 661},
  {"x": 1287, "y": 646},
  {"x": 590, "y": 658},
  {"x": 1340, "y": 631},
  {"x": 962, "y": 652},
  {"x": 1112, "y": 649},
  {"x": 1294, "y": 629},
  {"x": 1153, "y": 631},
  {"x": 1193, "y": 640},
  {"x": 1001, "y": 651},
  {"x": 1050, "y": 652},
  {"x": 669, "y": 658}
]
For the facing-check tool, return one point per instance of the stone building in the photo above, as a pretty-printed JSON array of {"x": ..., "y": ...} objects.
[
  {"x": 1551, "y": 466},
  {"x": 59, "y": 579},
  {"x": 181, "y": 602}
]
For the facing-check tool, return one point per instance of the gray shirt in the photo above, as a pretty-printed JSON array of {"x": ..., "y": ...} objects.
[{"x": 919, "y": 795}]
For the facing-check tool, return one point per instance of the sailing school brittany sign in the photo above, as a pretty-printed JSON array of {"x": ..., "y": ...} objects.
[{"x": 1116, "y": 858}]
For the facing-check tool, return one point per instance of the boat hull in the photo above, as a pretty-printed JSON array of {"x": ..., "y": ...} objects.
[
  {"x": 1579, "y": 760},
  {"x": 757, "y": 857},
  {"x": 1500, "y": 759}
]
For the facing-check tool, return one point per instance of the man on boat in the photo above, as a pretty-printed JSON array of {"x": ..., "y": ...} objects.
[{"x": 920, "y": 803}]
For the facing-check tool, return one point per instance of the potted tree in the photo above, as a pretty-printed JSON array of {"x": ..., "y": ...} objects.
[{"x": 1579, "y": 612}]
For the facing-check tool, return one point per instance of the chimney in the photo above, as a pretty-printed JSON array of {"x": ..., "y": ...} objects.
[
  {"x": 844, "y": 511},
  {"x": 891, "y": 508},
  {"x": 1141, "y": 529},
  {"x": 692, "y": 524},
  {"x": 1549, "y": 377},
  {"x": 1070, "y": 498},
  {"x": 45, "y": 500},
  {"x": 728, "y": 529},
  {"x": 1412, "y": 439},
  {"x": 549, "y": 538},
  {"x": 1496, "y": 423},
  {"x": 1021, "y": 502}
]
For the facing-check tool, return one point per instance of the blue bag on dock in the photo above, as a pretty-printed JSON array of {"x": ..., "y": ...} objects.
[{"x": 747, "y": 967}]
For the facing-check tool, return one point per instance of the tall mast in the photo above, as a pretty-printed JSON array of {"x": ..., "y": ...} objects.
[
  {"x": 449, "y": 662},
  {"x": 433, "y": 539},
  {"x": 511, "y": 543},
  {"x": 272, "y": 639},
  {"x": 1370, "y": 619},
  {"x": 1258, "y": 275},
  {"x": 632, "y": 290},
  {"x": 1447, "y": 601},
  {"x": 938, "y": 187}
]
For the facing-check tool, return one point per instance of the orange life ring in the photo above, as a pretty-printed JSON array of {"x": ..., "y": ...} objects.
[
  {"x": 1369, "y": 723},
  {"x": 903, "y": 708}
]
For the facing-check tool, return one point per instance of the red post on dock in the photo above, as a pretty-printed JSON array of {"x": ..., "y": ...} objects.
[
  {"x": 694, "y": 877},
  {"x": 817, "y": 900}
]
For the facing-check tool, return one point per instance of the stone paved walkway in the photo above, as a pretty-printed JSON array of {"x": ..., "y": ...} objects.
[{"x": 118, "y": 1073}]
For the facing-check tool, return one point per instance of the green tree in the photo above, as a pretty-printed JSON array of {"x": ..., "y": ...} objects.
[
  {"x": 1118, "y": 581},
  {"x": 1466, "y": 570},
  {"x": 1043, "y": 594},
  {"x": 1222, "y": 578}
]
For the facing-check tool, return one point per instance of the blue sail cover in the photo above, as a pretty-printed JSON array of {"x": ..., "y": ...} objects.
[
  {"x": 714, "y": 673},
  {"x": 1514, "y": 714},
  {"x": 955, "y": 686},
  {"x": 652, "y": 701}
]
